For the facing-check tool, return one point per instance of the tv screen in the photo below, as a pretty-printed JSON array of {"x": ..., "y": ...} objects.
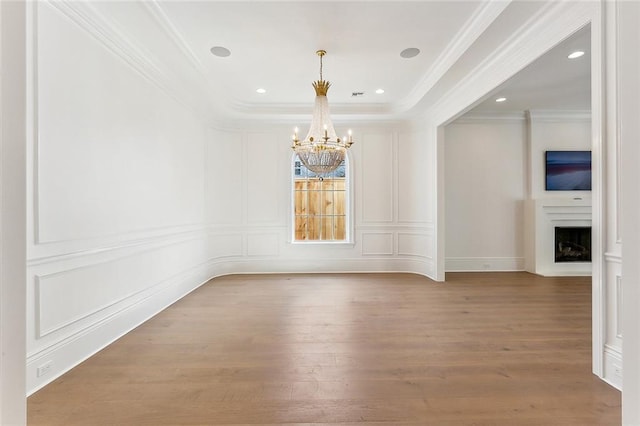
[{"x": 568, "y": 171}]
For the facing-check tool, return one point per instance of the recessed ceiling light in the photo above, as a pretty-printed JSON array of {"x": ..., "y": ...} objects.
[
  {"x": 501, "y": 99},
  {"x": 410, "y": 52},
  {"x": 576, "y": 54},
  {"x": 379, "y": 91},
  {"x": 220, "y": 51},
  {"x": 261, "y": 90}
]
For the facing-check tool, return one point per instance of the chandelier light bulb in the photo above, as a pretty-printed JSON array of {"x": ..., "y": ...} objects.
[{"x": 321, "y": 151}]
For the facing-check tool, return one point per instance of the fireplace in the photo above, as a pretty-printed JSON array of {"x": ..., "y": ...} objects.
[
  {"x": 572, "y": 244},
  {"x": 542, "y": 218}
]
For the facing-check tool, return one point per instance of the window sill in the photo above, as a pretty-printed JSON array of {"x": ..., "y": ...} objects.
[{"x": 323, "y": 243}]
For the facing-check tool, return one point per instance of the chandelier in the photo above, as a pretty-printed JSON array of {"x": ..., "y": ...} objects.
[{"x": 321, "y": 151}]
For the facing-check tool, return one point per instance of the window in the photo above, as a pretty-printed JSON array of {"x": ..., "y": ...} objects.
[{"x": 320, "y": 204}]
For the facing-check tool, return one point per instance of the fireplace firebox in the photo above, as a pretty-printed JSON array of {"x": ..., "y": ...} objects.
[{"x": 572, "y": 244}]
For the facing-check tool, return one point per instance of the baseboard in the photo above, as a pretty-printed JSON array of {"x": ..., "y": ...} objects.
[
  {"x": 613, "y": 366},
  {"x": 419, "y": 266},
  {"x": 487, "y": 264},
  {"x": 63, "y": 356}
]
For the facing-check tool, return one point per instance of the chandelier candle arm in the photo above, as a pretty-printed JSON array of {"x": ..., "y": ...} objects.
[{"x": 321, "y": 151}]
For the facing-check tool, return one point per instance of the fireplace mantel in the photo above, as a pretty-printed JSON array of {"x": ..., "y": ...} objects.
[{"x": 541, "y": 217}]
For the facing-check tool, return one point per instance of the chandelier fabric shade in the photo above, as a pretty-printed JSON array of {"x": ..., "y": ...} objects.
[{"x": 321, "y": 151}]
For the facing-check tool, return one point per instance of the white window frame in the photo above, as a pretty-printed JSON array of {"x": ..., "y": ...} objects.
[{"x": 349, "y": 207}]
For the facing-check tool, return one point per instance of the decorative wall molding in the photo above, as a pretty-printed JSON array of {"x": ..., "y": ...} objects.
[
  {"x": 263, "y": 244},
  {"x": 103, "y": 245},
  {"x": 377, "y": 170},
  {"x": 618, "y": 306},
  {"x": 59, "y": 279},
  {"x": 490, "y": 117},
  {"x": 106, "y": 32},
  {"x": 612, "y": 71},
  {"x": 157, "y": 12},
  {"x": 613, "y": 258},
  {"x": 74, "y": 348},
  {"x": 414, "y": 244},
  {"x": 223, "y": 245},
  {"x": 377, "y": 243},
  {"x": 559, "y": 116},
  {"x": 473, "y": 28},
  {"x": 553, "y": 22},
  {"x": 97, "y": 26}
]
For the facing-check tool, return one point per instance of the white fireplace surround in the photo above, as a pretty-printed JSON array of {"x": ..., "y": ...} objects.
[{"x": 542, "y": 216}]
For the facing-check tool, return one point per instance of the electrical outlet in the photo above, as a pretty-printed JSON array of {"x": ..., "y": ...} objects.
[{"x": 44, "y": 369}]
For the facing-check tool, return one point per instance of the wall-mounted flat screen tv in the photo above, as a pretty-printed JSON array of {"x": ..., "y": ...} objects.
[{"x": 568, "y": 171}]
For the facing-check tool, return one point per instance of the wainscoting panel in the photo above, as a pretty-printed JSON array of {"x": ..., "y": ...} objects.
[
  {"x": 262, "y": 244},
  {"x": 377, "y": 172},
  {"x": 412, "y": 244},
  {"x": 134, "y": 163},
  {"x": 377, "y": 243},
  {"x": 98, "y": 287},
  {"x": 225, "y": 245},
  {"x": 80, "y": 304},
  {"x": 618, "y": 303},
  {"x": 224, "y": 178},
  {"x": 412, "y": 196},
  {"x": 264, "y": 186},
  {"x": 613, "y": 331}
]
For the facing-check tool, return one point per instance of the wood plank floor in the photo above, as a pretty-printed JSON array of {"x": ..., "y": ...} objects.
[{"x": 389, "y": 349}]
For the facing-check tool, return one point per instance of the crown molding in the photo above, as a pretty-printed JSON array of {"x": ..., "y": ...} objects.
[
  {"x": 107, "y": 33},
  {"x": 306, "y": 109},
  {"x": 554, "y": 22},
  {"x": 158, "y": 14},
  {"x": 473, "y": 28},
  {"x": 491, "y": 116},
  {"x": 102, "y": 29},
  {"x": 552, "y": 116}
]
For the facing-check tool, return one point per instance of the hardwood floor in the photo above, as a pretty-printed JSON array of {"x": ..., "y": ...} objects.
[{"x": 389, "y": 349}]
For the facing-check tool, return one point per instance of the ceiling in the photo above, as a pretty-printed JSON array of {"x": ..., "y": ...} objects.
[
  {"x": 273, "y": 46},
  {"x": 552, "y": 82}
]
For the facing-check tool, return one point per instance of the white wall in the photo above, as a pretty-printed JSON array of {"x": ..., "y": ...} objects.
[
  {"x": 12, "y": 213},
  {"x": 121, "y": 217},
  {"x": 115, "y": 194},
  {"x": 485, "y": 191},
  {"x": 492, "y": 163},
  {"x": 559, "y": 131},
  {"x": 248, "y": 197},
  {"x": 558, "y": 21},
  {"x": 615, "y": 171},
  {"x": 532, "y": 39},
  {"x": 627, "y": 35},
  {"x": 133, "y": 201}
]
